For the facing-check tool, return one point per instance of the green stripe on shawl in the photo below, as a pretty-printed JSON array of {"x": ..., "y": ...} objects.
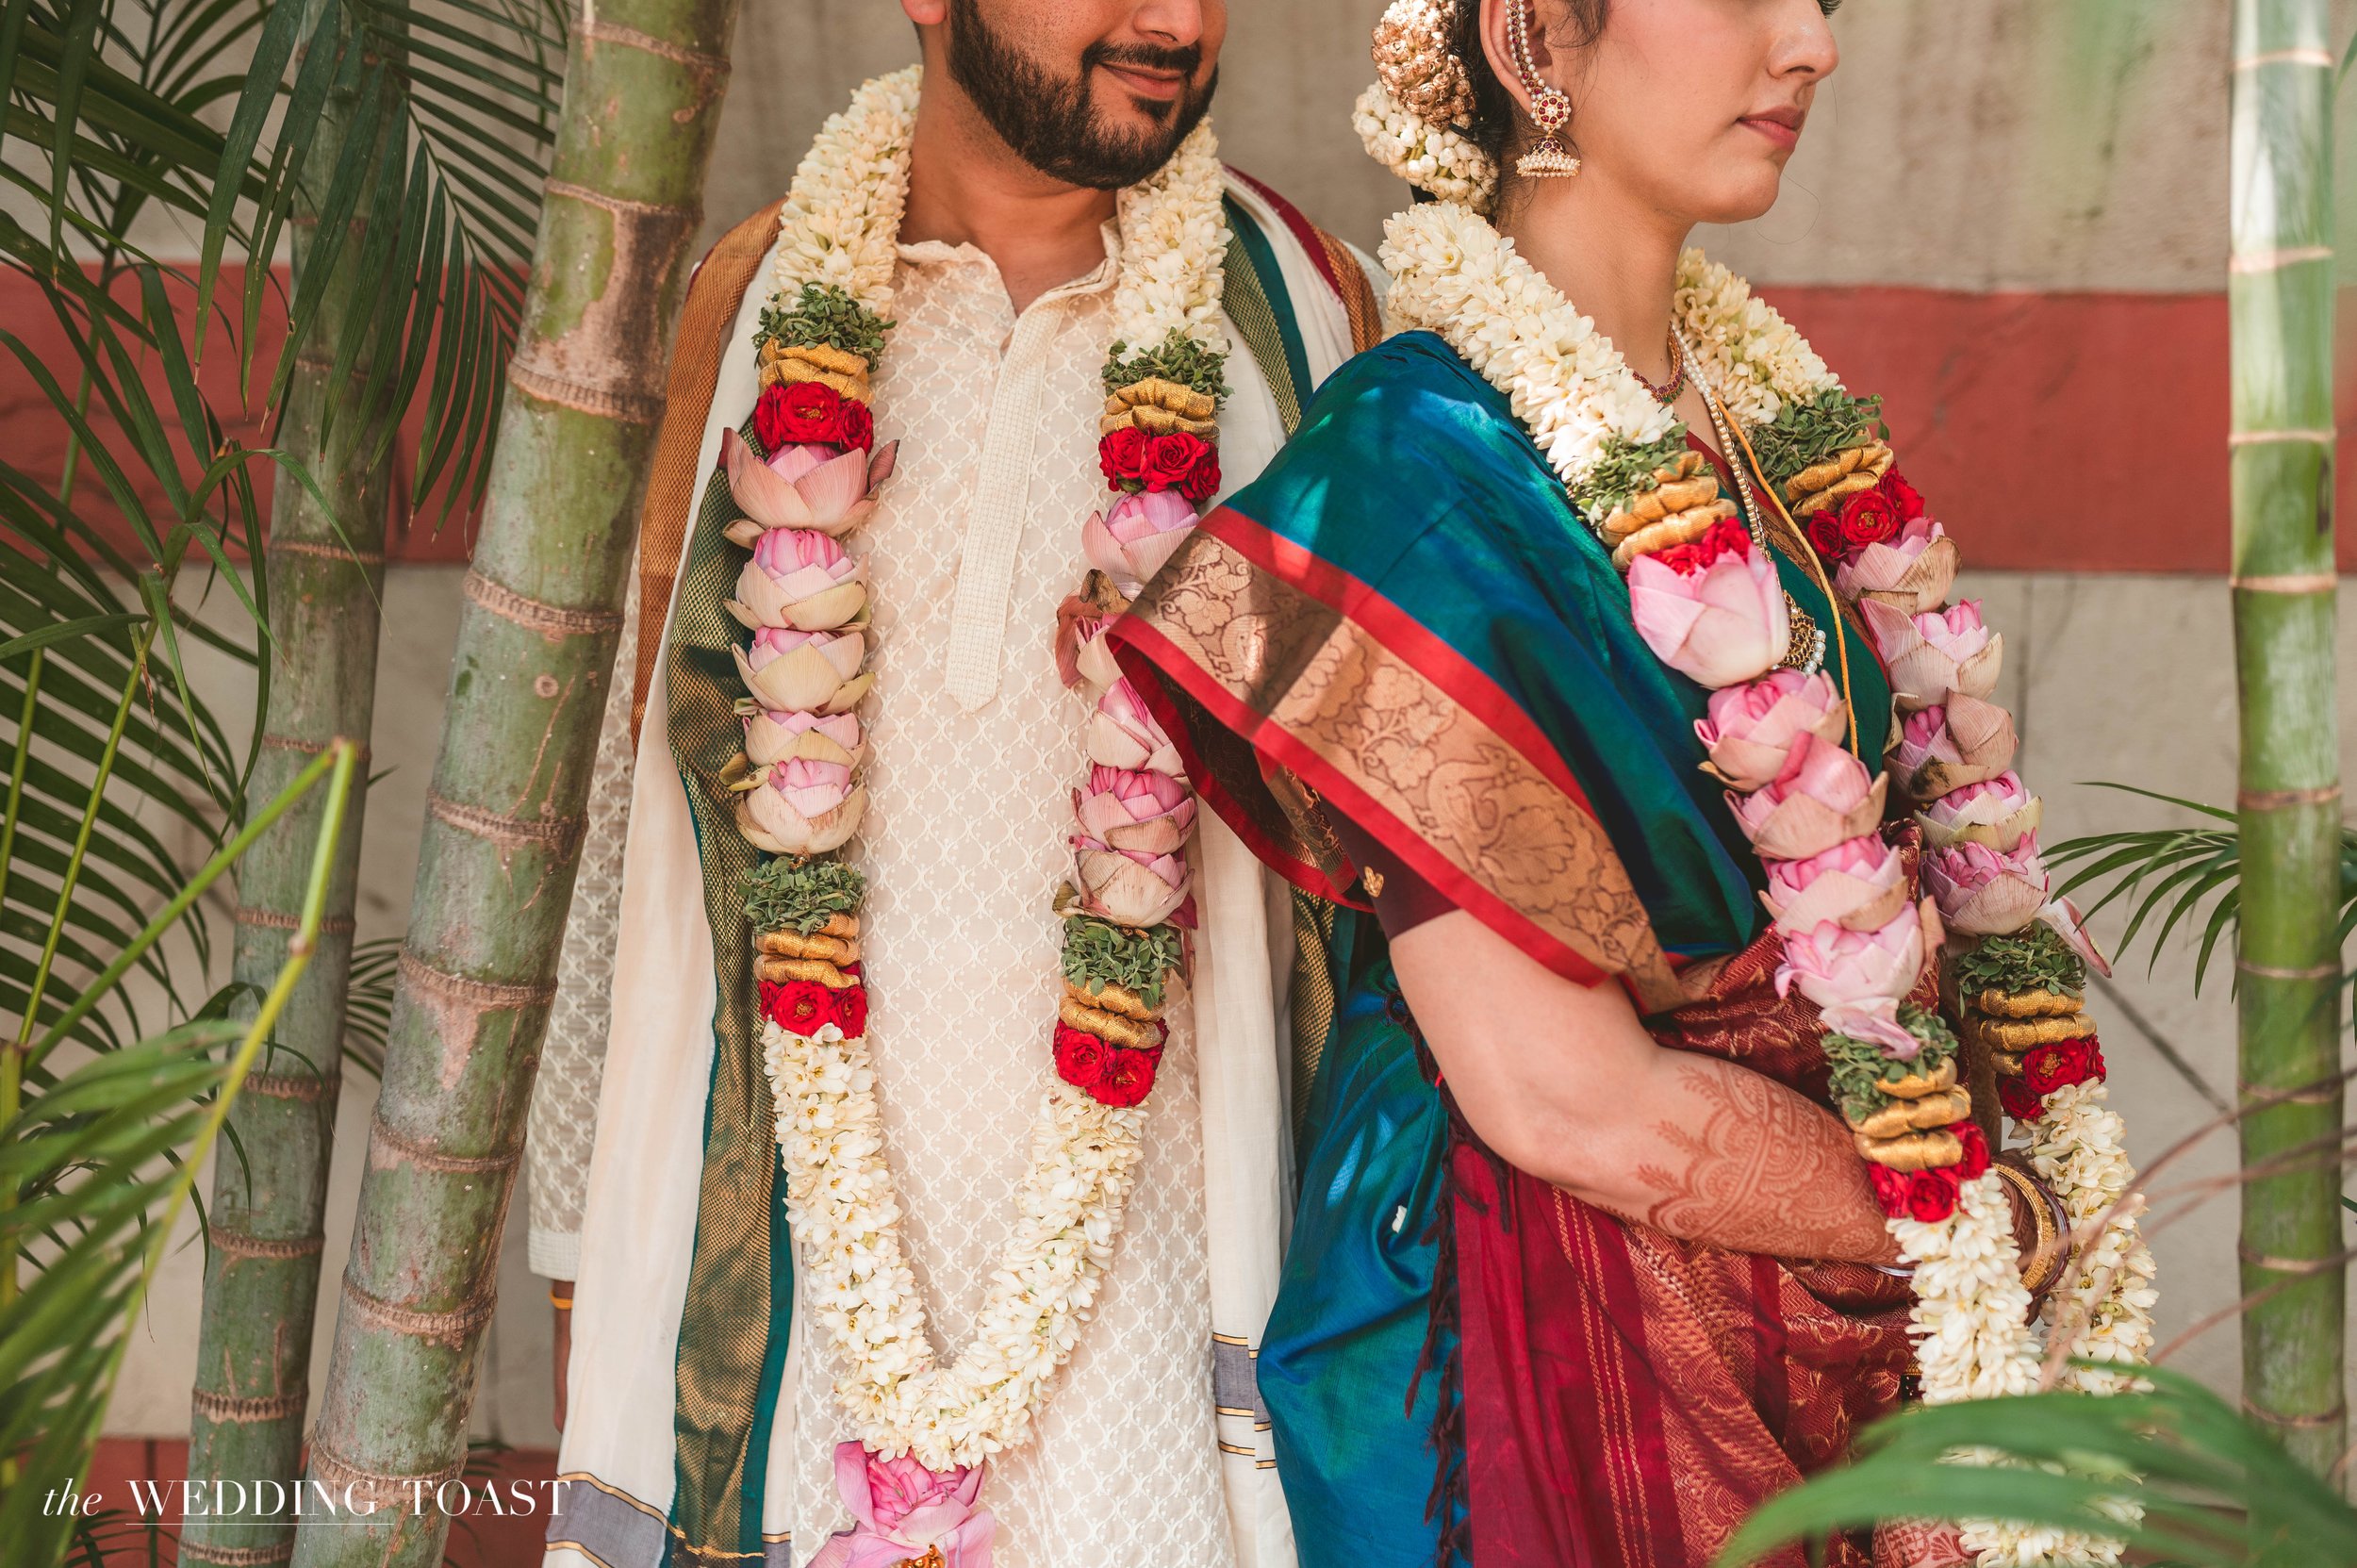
[{"x": 733, "y": 1326}]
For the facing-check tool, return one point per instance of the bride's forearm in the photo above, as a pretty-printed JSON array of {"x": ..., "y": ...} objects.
[
  {"x": 1722, "y": 1155},
  {"x": 1564, "y": 1081}
]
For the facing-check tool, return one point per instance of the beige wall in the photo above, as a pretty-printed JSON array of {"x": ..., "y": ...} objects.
[{"x": 1962, "y": 145}]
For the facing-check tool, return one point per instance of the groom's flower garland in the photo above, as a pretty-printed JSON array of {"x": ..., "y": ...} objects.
[
  {"x": 799, "y": 798},
  {"x": 1706, "y": 596}
]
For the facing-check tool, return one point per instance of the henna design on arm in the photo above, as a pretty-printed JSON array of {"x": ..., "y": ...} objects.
[{"x": 1754, "y": 1167}]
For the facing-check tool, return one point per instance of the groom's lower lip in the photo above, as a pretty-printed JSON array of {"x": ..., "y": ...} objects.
[{"x": 1148, "y": 84}]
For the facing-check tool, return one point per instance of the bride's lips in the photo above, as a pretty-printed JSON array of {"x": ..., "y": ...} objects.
[
  {"x": 1780, "y": 126},
  {"x": 1148, "y": 82}
]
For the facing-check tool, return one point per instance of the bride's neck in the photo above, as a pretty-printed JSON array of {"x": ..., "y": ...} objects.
[{"x": 1613, "y": 256}]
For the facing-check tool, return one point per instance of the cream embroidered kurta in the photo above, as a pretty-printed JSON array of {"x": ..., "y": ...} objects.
[{"x": 973, "y": 749}]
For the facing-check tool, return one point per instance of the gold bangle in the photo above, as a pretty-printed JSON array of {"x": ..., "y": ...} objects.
[
  {"x": 2043, "y": 1209},
  {"x": 561, "y": 1303}
]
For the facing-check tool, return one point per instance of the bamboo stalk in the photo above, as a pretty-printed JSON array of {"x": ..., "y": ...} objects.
[
  {"x": 2280, "y": 295},
  {"x": 495, "y": 872},
  {"x": 326, "y": 577}
]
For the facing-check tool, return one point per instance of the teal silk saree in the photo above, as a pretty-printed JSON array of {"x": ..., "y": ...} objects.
[{"x": 1403, "y": 622}]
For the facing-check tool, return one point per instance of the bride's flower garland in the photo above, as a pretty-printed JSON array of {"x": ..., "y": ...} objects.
[
  {"x": 812, "y": 480},
  {"x": 1706, "y": 596}
]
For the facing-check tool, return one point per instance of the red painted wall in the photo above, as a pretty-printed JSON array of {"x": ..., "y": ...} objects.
[{"x": 2051, "y": 432}]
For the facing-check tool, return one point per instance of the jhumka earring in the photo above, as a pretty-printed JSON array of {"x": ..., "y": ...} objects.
[{"x": 1550, "y": 106}]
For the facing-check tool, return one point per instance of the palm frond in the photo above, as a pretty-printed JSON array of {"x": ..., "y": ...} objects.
[
  {"x": 2169, "y": 877},
  {"x": 2211, "y": 1489},
  {"x": 94, "y": 1171}
]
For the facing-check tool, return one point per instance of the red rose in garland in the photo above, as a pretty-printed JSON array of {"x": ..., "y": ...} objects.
[
  {"x": 851, "y": 1010},
  {"x": 1905, "y": 496},
  {"x": 1122, "y": 456},
  {"x": 1868, "y": 517},
  {"x": 796, "y": 1006},
  {"x": 1928, "y": 1195},
  {"x": 794, "y": 412},
  {"x": 1975, "y": 1144},
  {"x": 1202, "y": 481},
  {"x": 1128, "y": 1076},
  {"x": 1170, "y": 458},
  {"x": 1719, "y": 539},
  {"x": 2049, "y": 1068},
  {"x": 1081, "y": 1058},
  {"x": 859, "y": 427},
  {"x": 1824, "y": 535},
  {"x": 2021, "y": 1101}
]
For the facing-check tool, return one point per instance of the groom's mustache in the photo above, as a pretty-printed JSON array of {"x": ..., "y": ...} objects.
[{"x": 1185, "y": 60}]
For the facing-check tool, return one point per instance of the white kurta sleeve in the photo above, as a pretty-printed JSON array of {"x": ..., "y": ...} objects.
[{"x": 563, "y": 1126}]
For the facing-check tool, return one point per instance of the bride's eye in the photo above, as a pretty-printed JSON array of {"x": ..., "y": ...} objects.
[{"x": 1829, "y": 7}]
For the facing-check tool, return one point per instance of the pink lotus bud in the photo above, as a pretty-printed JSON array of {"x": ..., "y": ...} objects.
[
  {"x": 801, "y": 808},
  {"x": 903, "y": 1511},
  {"x": 1129, "y": 889},
  {"x": 1949, "y": 745},
  {"x": 1859, "y": 884},
  {"x": 1129, "y": 543},
  {"x": 1911, "y": 573},
  {"x": 1083, "y": 654},
  {"x": 2072, "y": 926},
  {"x": 1986, "y": 892},
  {"x": 1752, "y": 726},
  {"x": 1122, "y": 733},
  {"x": 778, "y": 736},
  {"x": 1997, "y": 811},
  {"x": 802, "y": 486},
  {"x": 1822, "y": 796},
  {"x": 1722, "y": 621},
  {"x": 813, "y": 671},
  {"x": 1933, "y": 654},
  {"x": 1132, "y": 809},
  {"x": 1857, "y": 977},
  {"x": 798, "y": 578}
]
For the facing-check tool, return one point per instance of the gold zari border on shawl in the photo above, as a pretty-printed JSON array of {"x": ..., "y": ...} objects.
[{"x": 1389, "y": 729}]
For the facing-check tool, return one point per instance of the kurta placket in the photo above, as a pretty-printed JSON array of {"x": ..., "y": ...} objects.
[{"x": 994, "y": 523}]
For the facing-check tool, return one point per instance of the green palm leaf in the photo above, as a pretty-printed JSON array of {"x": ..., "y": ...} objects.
[
  {"x": 2170, "y": 877},
  {"x": 2212, "y": 1490},
  {"x": 95, "y": 1170}
]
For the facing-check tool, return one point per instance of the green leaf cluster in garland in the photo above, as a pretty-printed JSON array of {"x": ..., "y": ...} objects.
[
  {"x": 1806, "y": 432},
  {"x": 801, "y": 895},
  {"x": 1622, "y": 472},
  {"x": 1858, "y": 1065},
  {"x": 824, "y": 314},
  {"x": 1180, "y": 358},
  {"x": 2034, "y": 960},
  {"x": 1097, "y": 953}
]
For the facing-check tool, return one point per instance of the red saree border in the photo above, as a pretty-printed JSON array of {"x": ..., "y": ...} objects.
[
  {"x": 1464, "y": 682},
  {"x": 1146, "y": 672},
  {"x": 1290, "y": 751}
]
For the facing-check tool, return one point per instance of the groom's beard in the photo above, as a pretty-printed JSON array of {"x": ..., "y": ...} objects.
[{"x": 1053, "y": 123}]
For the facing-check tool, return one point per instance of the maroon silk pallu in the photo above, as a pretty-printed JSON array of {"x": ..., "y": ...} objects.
[{"x": 1629, "y": 1398}]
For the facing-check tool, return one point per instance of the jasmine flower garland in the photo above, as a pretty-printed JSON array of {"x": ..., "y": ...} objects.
[{"x": 804, "y": 600}]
